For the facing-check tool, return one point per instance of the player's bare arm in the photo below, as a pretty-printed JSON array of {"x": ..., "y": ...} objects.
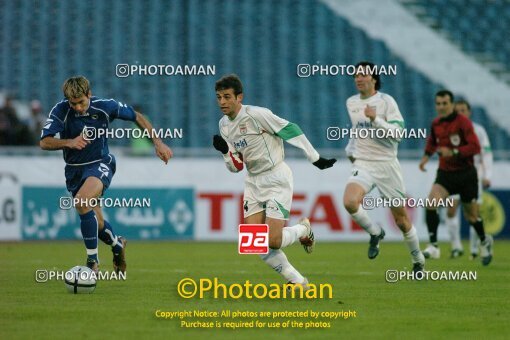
[
  {"x": 162, "y": 150},
  {"x": 424, "y": 160},
  {"x": 430, "y": 149}
]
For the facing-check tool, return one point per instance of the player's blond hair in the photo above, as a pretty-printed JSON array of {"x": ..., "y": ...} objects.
[{"x": 75, "y": 87}]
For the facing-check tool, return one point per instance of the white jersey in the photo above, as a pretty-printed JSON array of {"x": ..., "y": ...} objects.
[
  {"x": 255, "y": 136},
  {"x": 483, "y": 160},
  {"x": 388, "y": 117}
]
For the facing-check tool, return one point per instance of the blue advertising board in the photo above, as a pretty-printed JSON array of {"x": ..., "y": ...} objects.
[{"x": 136, "y": 213}]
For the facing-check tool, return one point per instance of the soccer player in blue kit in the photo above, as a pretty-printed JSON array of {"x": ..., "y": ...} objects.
[{"x": 89, "y": 164}]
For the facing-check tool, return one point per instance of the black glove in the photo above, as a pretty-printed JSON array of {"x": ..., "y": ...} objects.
[
  {"x": 324, "y": 163},
  {"x": 220, "y": 144}
]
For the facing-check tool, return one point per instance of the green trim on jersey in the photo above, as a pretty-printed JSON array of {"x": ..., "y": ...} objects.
[
  {"x": 284, "y": 211},
  {"x": 401, "y": 193},
  {"x": 487, "y": 149},
  {"x": 291, "y": 130},
  {"x": 397, "y": 122}
]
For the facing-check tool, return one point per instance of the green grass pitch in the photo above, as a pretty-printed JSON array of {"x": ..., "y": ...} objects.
[{"x": 409, "y": 309}]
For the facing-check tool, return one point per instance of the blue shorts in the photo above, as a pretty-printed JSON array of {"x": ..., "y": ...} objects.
[{"x": 77, "y": 174}]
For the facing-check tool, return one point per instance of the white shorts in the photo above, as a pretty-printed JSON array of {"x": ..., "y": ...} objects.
[
  {"x": 270, "y": 191},
  {"x": 385, "y": 175}
]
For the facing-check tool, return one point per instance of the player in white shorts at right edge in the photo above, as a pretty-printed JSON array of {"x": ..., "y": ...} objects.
[
  {"x": 254, "y": 136},
  {"x": 375, "y": 162}
]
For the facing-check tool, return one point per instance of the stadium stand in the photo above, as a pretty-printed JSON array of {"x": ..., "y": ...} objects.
[
  {"x": 455, "y": 19},
  {"x": 42, "y": 45}
]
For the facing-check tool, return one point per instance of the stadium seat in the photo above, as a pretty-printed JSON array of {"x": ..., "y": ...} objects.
[{"x": 263, "y": 46}]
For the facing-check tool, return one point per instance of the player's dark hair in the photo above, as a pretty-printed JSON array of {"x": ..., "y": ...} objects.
[
  {"x": 374, "y": 75},
  {"x": 465, "y": 102},
  {"x": 443, "y": 93},
  {"x": 230, "y": 81},
  {"x": 75, "y": 87}
]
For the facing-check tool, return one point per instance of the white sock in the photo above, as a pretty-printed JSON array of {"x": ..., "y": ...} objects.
[
  {"x": 411, "y": 240},
  {"x": 292, "y": 234},
  {"x": 473, "y": 241},
  {"x": 361, "y": 217},
  {"x": 277, "y": 260},
  {"x": 93, "y": 252},
  {"x": 454, "y": 231}
]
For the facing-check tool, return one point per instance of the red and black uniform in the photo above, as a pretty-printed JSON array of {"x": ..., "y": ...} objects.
[{"x": 457, "y": 173}]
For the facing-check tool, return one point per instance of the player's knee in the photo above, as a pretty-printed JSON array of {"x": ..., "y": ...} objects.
[
  {"x": 402, "y": 221},
  {"x": 431, "y": 204},
  {"x": 450, "y": 213},
  {"x": 81, "y": 205},
  {"x": 275, "y": 242},
  {"x": 351, "y": 205},
  {"x": 471, "y": 218},
  {"x": 82, "y": 209}
]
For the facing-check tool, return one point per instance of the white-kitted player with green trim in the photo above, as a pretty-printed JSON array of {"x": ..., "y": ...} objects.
[
  {"x": 254, "y": 136},
  {"x": 375, "y": 162}
]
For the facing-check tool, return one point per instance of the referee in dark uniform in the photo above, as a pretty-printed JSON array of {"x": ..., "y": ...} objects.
[{"x": 452, "y": 136}]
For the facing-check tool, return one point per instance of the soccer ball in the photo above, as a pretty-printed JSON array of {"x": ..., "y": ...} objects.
[{"x": 80, "y": 280}]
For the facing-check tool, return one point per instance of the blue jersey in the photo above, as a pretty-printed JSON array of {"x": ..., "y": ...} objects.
[{"x": 69, "y": 124}]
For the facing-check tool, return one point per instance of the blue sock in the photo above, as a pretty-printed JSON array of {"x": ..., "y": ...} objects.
[
  {"x": 107, "y": 235},
  {"x": 89, "y": 232}
]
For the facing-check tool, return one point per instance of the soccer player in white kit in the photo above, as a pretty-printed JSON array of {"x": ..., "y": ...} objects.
[
  {"x": 375, "y": 162},
  {"x": 253, "y": 136},
  {"x": 483, "y": 164}
]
